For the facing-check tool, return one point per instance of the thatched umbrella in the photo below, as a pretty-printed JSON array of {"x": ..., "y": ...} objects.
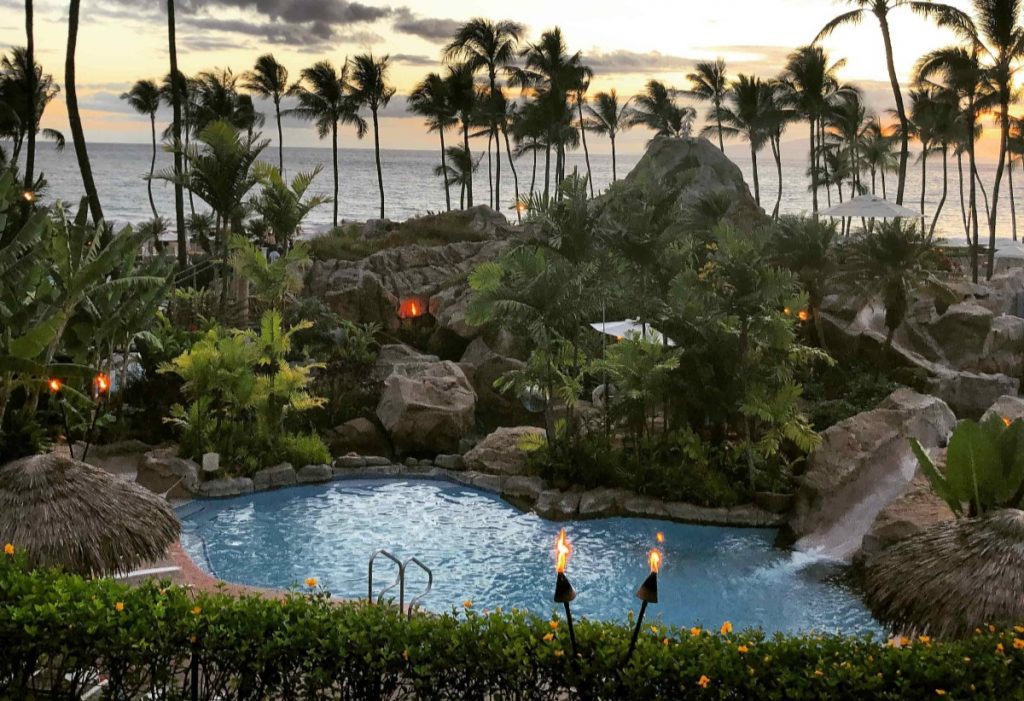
[
  {"x": 952, "y": 578},
  {"x": 66, "y": 513}
]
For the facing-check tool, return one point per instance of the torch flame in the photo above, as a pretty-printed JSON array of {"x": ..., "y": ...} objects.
[
  {"x": 102, "y": 383},
  {"x": 55, "y": 385},
  {"x": 804, "y": 315},
  {"x": 654, "y": 557},
  {"x": 562, "y": 551},
  {"x": 411, "y": 308},
  {"x": 660, "y": 537}
]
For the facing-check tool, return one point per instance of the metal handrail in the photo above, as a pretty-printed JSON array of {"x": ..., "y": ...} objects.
[
  {"x": 414, "y": 602},
  {"x": 399, "y": 581}
]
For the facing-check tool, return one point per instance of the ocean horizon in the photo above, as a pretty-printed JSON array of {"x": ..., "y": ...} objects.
[{"x": 411, "y": 189}]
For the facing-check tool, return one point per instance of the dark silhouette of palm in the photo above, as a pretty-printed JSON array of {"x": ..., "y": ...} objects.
[
  {"x": 607, "y": 117},
  {"x": 269, "y": 79},
  {"x": 430, "y": 99},
  {"x": 144, "y": 98},
  {"x": 747, "y": 111},
  {"x": 656, "y": 109},
  {"x": 370, "y": 89},
  {"x": 708, "y": 83}
]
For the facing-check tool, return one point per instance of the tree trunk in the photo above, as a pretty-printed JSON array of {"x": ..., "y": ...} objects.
[
  {"x": 512, "y": 167},
  {"x": 152, "y": 164},
  {"x": 469, "y": 175},
  {"x": 547, "y": 169},
  {"x": 533, "y": 178},
  {"x": 615, "y": 175},
  {"x": 334, "y": 160},
  {"x": 814, "y": 175},
  {"x": 492, "y": 76},
  {"x": 30, "y": 59},
  {"x": 444, "y": 173},
  {"x": 490, "y": 174},
  {"x": 757, "y": 184},
  {"x": 1004, "y": 135},
  {"x": 75, "y": 118},
  {"x": 376, "y": 150},
  {"x": 963, "y": 207},
  {"x": 1013, "y": 203},
  {"x": 973, "y": 195},
  {"x": 901, "y": 111},
  {"x": 924, "y": 175},
  {"x": 777, "y": 152},
  {"x": 718, "y": 119},
  {"x": 586, "y": 151},
  {"x": 945, "y": 188},
  {"x": 280, "y": 135},
  {"x": 179, "y": 196},
  {"x": 882, "y": 173}
]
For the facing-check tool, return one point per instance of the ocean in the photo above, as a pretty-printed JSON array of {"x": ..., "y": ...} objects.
[{"x": 411, "y": 188}]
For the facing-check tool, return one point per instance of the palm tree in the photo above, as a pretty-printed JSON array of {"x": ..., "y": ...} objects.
[
  {"x": 657, "y": 110},
  {"x": 580, "y": 98},
  {"x": 430, "y": 99},
  {"x": 144, "y": 98},
  {"x": 943, "y": 15},
  {"x": 807, "y": 248},
  {"x": 958, "y": 70},
  {"x": 30, "y": 92},
  {"x": 269, "y": 79},
  {"x": 1015, "y": 151},
  {"x": 20, "y": 120},
  {"x": 283, "y": 206},
  {"x": 370, "y": 88},
  {"x": 921, "y": 125},
  {"x": 327, "y": 103},
  {"x": 486, "y": 45},
  {"x": 747, "y": 114},
  {"x": 811, "y": 85},
  {"x": 463, "y": 97},
  {"x": 945, "y": 128},
  {"x": 75, "y": 117},
  {"x": 176, "y": 95},
  {"x": 457, "y": 169},
  {"x": 778, "y": 118},
  {"x": 605, "y": 116},
  {"x": 530, "y": 134},
  {"x": 708, "y": 83},
  {"x": 877, "y": 151}
]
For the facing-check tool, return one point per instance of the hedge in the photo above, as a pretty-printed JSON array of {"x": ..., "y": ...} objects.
[{"x": 172, "y": 642}]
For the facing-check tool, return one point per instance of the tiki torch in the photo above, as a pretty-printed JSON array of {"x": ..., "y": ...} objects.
[
  {"x": 647, "y": 593},
  {"x": 564, "y": 593},
  {"x": 55, "y": 386},
  {"x": 100, "y": 389}
]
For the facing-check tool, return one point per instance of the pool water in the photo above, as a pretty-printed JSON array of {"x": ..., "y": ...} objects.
[{"x": 483, "y": 550}]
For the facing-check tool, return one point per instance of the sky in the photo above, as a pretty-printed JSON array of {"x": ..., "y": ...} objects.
[{"x": 626, "y": 43}]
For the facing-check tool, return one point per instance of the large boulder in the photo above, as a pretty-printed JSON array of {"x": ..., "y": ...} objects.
[
  {"x": 427, "y": 405},
  {"x": 502, "y": 452},
  {"x": 863, "y": 464},
  {"x": 163, "y": 472},
  {"x": 360, "y": 435},
  {"x": 1008, "y": 408},
  {"x": 969, "y": 394},
  {"x": 695, "y": 169},
  {"x": 483, "y": 367},
  {"x": 917, "y": 509}
]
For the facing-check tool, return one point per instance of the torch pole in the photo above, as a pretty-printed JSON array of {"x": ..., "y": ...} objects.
[
  {"x": 67, "y": 428},
  {"x": 572, "y": 631},
  {"x": 636, "y": 631}
]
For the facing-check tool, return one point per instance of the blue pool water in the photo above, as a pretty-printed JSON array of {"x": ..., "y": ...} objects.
[{"x": 482, "y": 549}]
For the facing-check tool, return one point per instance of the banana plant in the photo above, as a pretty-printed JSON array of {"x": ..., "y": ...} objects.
[{"x": 984, "y": 467}]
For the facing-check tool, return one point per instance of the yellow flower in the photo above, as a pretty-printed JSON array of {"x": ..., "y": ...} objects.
[
  {"x": 940, "y": 692},
  {"x": 695, "y": 631},
  {"x": 9, "y": 549},
  {"x": 549, "y": 637},
  {"x": 1019, "y": 629},
  {"x": 1018, "y": 644},
  {"x": 967, "y": 659},
  {"x": 925, "y": 639},
  {"x": 726, "y": 628},
  {"x": 999, "y": 648},
  {"x": 405, "y": 654},
  {"x": 665, "y": 641},
  {"x": 654, "y": 629},
  {"x": 743, "y": 649},
  {"x": 196, "y": 611},
  {"x": 819, "y": 673},
  {"x": 311, "y": 582},
  {"x": 553, "y": 624},
  {"x": 904, "y": 641},
  {"x": 703, "y": 681},
  {"x": 558, "y": 653},
  {"x": 467, "y": 604},
  {"x": 119, "y": 606},
  {"x": 991, "y": 628}
]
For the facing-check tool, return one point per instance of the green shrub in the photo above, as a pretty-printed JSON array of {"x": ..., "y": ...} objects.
[
  {"x": 347, "y": 242},
  {"x": 304, "y": 449},
  {"x": 147, "y": 639}
]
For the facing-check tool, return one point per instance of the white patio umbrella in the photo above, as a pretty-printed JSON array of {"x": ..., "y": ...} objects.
[
  {"x": 870, "y": 207},
  {"x": 630, "y": 327}
]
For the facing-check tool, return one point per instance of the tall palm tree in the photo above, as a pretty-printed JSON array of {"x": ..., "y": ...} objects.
[
  {"x": 1015, "y": 151},
  {"x": 176, "y": 99},
  {"x": 530, "y": 133},
  {"x": 370, "y": 88},
  {"x": 958, "y": 70},
  {"x": 709, "y": 83},
  {"x": 19, "y": 120},
  {"x": 430, "y": 99},
  {"x": 943, "y": 15},
  {"x": 144, "y": 98},
  {"x": 747, "y": 114},
  {"x": 457, "y": 169},
  {"x": 811, "y": 85},
  {"x": 324, "y": 99},
  {"x": 921, "y": 122},
  {"x": 607, "y": 117},
  {"x": 30, "y": 92},
  {"x": 463, "y": 97},
  {"x": 945, "y": 131},
  {"x": 483, "y": 44},
  {"x": 580, "y": 99},
  {"x": 656, "y": 109},
  {"x": 1001, "y": 39},
  {"x": 778, "y": 117},
  {"x": 879, "y": 156},
  {"x": 269, "y": 79},
  {"x": 75, "y": 117}
]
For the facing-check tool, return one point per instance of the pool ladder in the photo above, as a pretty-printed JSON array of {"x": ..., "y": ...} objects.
[{"x": 399, "y": 581}]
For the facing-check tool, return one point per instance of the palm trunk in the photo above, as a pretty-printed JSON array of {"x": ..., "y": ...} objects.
[
  {"x": 512, "y": 167},
  {"x": 376, "y": 150},
  {"x": 973, "y": 196},
  {"x": 615, "y": 175},
  {"x": 1004, "y": 134},
  {"x": 334, "y": 161},
  {"x": 547, "y": 169},
  {"x": 75, "y": 117},
  {"x": 586, "y": 151},
  {"x": 444, "y": 173},
  {"x": 280, "y": 135},
  {"x": 179, "y": 195},
  {"x": 718, "y": 119},
  {"x": 882, "y": 173},
  {"x": 191, "y": 200},
  {"x": 490, "y": 175},
  {"x": 469, "y": 175},
  {"x": 493, "y": 78},
  {"x": 924, "y": 175},
  {"x": 533, "y": 177},
  {"x": 1013, "y": 203},
  {"x": 777, "y": 153},
  {"x": 814, "y": 175},
  {"x": 152, "y": 164},
  {"x": 30, "y": 59},
  {"x": 757, "y": 185},
  {"x": 963, "y": 207},
  {"x": 945, "y": 188},
  {"x": 901, "y": 111}
]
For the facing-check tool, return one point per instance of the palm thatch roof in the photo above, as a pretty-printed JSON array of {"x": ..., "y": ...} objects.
[
  {"x": 66, "y": 513},
  {"x": 952, "y": 578}
]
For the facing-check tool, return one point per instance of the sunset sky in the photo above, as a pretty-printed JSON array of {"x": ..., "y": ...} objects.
[{"x": 626, "y": 44}]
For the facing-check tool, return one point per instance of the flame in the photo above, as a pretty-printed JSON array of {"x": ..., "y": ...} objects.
[
  {"x": 803, "y": 315},
  {"x": 562, "y": 551},
  {"x": 660, "y": 537},
  {"x": 410, "y": 309},
  {"x": 55, "y": 385},
  {"x": 521, "y": 206},
  {"x": 785, "y": 310},
  {"x": 1007, "y": 421},
  {"x": 28, "y": 196},
  {"x": 102, "y": 383},
  {"x": 654, "y": 558}
]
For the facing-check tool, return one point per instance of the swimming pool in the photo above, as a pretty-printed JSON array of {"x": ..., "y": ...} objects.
[{"x": 482, "y": 549}]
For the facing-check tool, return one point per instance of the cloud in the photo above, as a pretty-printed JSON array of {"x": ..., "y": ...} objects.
[
  {"x": 757, "y": 59},
  {"x": 327, "y": 12},
  {"x": 429, "y": 28},
  {"x": 415, "y": 60}
]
